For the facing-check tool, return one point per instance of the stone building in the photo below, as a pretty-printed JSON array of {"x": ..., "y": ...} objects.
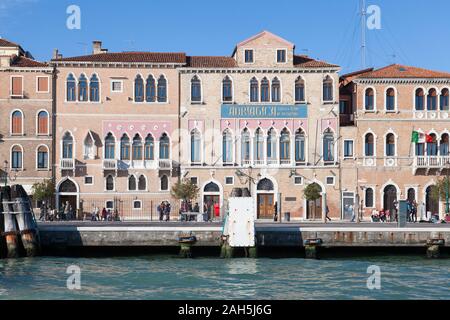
[
  {"x": 395, "y": 138},
  {"x": 116, "y": 130},
  {"x": 263, "y": 118},
  {"x": 26, "y": 113}
]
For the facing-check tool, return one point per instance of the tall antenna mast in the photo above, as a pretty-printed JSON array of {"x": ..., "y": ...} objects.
[{"x": 363, "y": 33}]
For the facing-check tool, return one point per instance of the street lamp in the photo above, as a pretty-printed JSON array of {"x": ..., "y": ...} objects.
[{"x": 7, "y": 175}]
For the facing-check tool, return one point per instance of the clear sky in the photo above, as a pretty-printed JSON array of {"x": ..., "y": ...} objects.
[{"x": 413, "y": 32}]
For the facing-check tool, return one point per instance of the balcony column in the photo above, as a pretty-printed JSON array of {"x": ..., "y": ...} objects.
[{"x": 292, "y": 150}]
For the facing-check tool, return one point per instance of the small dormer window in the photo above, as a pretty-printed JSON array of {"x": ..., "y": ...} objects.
[
  {"x": 281, "y": 56},
  {"x": 248, "y": 56}
]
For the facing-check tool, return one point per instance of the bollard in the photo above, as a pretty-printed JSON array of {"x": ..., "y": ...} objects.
[
  {"x": 312, "y": 247},
  {"x": 10, "y": 227},
  {"x": 253, "y": 252},
  {"x": 186, "y": 243},
  {"x": 433, "y": 248}
]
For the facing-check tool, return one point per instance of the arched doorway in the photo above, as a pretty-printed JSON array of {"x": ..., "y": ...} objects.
[
  {"x": 265, "y": 199},
  {"x": 431, "y": 202},
  {"x": 314, "y": 207},
  {"x": 67, "y": 193},
  {"x": 211, "y": 196},
  {"x": 411, "y": 194},
  {"x": 389, "y": 199}
]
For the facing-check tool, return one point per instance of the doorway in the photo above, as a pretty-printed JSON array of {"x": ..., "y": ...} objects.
[
  {"x": 432, "y": 204},
  {"x": 266, "y": 206},
  {"x": 314, "y": 207},
  {"x": 389, "y": 199}
]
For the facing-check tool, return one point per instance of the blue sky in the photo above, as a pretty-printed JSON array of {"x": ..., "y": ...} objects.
[{"x": 413, "y": 32}]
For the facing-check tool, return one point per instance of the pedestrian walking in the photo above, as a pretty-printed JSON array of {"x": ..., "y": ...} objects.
[
  {"x": 327, "y": 211},
  {"x": 275, "y": 212},
  {"x": 352, "y": 211}
]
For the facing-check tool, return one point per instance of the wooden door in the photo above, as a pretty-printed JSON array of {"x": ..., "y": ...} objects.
[{"x": 266, "y": 203}]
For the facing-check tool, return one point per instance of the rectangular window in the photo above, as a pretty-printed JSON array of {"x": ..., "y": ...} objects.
[
  {"x": 348, "y": 148},
  {"x": 137, "y": 204},
  {"x": 249, "y": 56},
  {"x": 42, "y": 85},
  {"x": 298, "y": 181},
  {"x": 330, "y": 181},
  {"x": 116, "y": 86},
  {"x": 17, "y": 86},
  {"x": 42, "y": 160},
  {"x": 194, "y": 180},
  {"x": 16, "y": 160},
  {"x": 281, "y": 56},
  {"x": 109, "y": 205},
  {"x": 229, "y": 181},
  {"x": 88, "y": 180}
]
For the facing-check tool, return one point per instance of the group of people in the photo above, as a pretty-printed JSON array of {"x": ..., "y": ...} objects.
[
  {"x": 211, "y": 210},
  {"x": 105, "y": 215},
  {"x": 164, "y": 211},
  {"x": 66, "y": 212}
]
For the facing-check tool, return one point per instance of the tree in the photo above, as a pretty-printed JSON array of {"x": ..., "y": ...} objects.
[
  {"x": 44, "y": 191},
  {"x": 312, "y": 193},
  {"x": 442, "y": 190},
  {"x": 185, "y": 190}
]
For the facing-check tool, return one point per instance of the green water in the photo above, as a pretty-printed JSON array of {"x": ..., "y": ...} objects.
[{"x": 166, "y": 277}]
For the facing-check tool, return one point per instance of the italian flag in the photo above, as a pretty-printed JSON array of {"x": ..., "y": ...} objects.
[{"x": 415, "y": 137}]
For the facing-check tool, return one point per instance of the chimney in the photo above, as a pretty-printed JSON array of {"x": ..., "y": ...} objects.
[
  {"x": 97, "y": 47},
  {"x": 56, "y": 54},
  {"x": 5, "y": 61}
]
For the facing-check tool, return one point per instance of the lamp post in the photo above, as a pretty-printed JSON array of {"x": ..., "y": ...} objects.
[{"x": 7, "y": 175}]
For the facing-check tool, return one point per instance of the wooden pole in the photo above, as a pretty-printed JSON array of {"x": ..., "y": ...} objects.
[{"x": 10, "y": 233}]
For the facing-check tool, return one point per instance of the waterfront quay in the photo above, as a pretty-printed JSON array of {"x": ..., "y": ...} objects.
[{"x": 66, "y": 235}]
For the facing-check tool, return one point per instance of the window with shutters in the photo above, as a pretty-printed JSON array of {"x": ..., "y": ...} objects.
[
  {"x": 17, "y": 123},
  {"x": 16, "y": 86},
  {"x": 42, "y": 123},
  {"x": 42, "y": 85}
]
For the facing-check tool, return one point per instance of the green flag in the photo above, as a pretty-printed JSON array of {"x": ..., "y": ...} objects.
[{"x": 415, "y": 137}]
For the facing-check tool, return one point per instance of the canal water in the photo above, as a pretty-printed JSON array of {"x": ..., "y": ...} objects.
[{"x": 167, "y": 277}]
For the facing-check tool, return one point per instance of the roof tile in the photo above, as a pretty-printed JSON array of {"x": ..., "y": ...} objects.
[
  {"x": 131, "y": 57},
  {"x": 211, "y": 62},
  {"x": 397, "y": 71}
]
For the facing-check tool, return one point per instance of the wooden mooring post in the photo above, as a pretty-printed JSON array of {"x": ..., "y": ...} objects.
[
  {"x": 312, "y": 247},
  {"x": 186, "y": 242}
]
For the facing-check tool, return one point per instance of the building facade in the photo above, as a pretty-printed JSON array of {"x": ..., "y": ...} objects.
[
  {"x": 265, "y": 119},
  {"x": 116, "y": 130},
  {"x": 395, "y": 138},
  {"x": 26, "y": 110}
]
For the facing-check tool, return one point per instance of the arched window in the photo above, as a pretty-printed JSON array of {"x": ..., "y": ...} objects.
[
  {"x": 390, "y": 145},
  {"x": 300, "y": 146},
  {"x": 411, "y": 194},
  {"x": 285, "y": 145},
  {"x": 245, "y": 146},
  {"x": 42, "y": 157},
  {"x": 110, "y": 147},
  {"x": 67, "y": 146},
  {"x": 42, "y": 123},
  {"x": 138, "y": 89},
  {"x": 16, "y": 157},
  {"x": 227, "y": 147},
  {"x": 195, "y": 146},
  {"x": 369, "y": 198},
  {"x": 131, "y": 183},
  {"x": 227, "y": 89},
  {"x": 432, "y": 100},
  {"x": 265, "y": 90},
  {"x": 444, "y": 103},
  {"x": 17, "y": 123},
  {"x": 254, "y": 90},
  {"x": 369, "y": 146},
  {"x": 150, "y": 89},
  {"x": 149, "y": 148},
  {"x": 276, "y": 90},
  {"x": 390, "y": 99},
  {"x": 137, "y": 147},
  {"x": 444, "y": 150},
  {"x": 164, "y": 147},
  {"x": 271, "y": 145},
  {"x": 370, "y": 101},
  {"x": 71, "y": 88},
  {"x": 94, "y": 89},
  {"x": 432, "y": 149},
  {"x": 420, "y": 148},
  {"x": 328, "y": 146},
  {"x": 125, "y": 148},
  {"x": 328, "y": 89},
  {"x": 88, "y": 145},
  {"x": 162, "y": 89},
  {"x": 82, "y": 88},
  {"x": 109, "y": 183},
  {"x": 265, "y": 185},
  {"x": 164, "y": 183},
  {"x": 259, "y": 145},
  {"x": 299, "y": 90},
  {"x": 420, "y": 99},
  {"x": 196, "y": 89},
  {"x": 142, "y": 183}
]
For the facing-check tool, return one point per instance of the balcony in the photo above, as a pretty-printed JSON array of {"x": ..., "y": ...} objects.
[
  {"x": 432, "y": 114},
  {"x": 165, "y": 164},
  {"x": 431, "y": 162},
  {"x": 109, "y": 164},
  {"x": 67, "y": 164}
]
